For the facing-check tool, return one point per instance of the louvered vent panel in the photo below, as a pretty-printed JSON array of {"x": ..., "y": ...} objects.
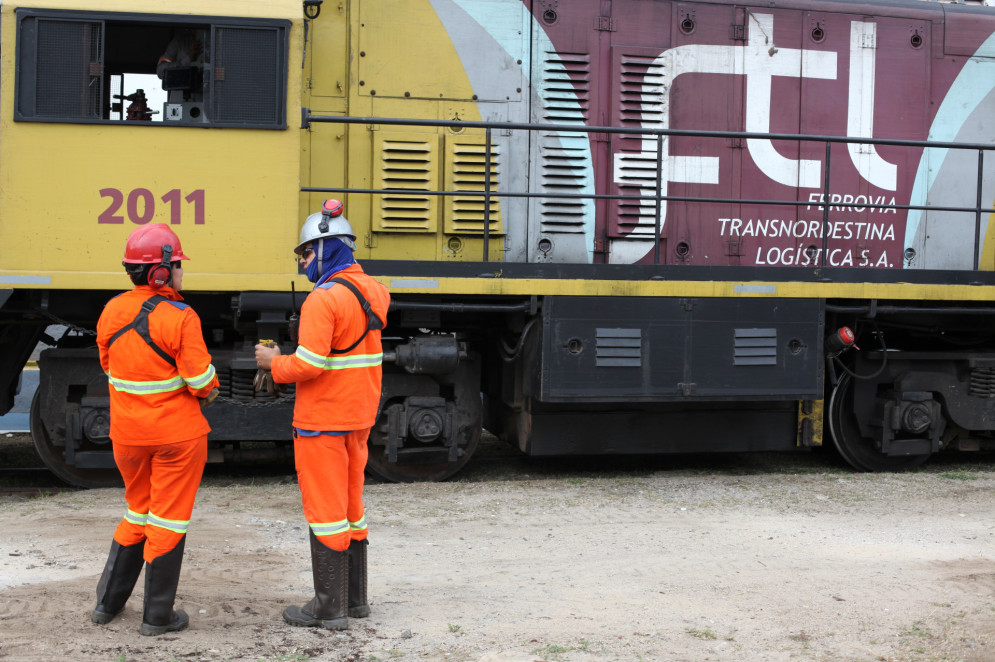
[
  {"x": 755, "y": 347},
  {"x": 567, "y": 93},
  {"x": 618, "y": 348},
  {"x": 409, "y": 164},
  {"x": 465, "y": 171},
  {"x": 636, "y": 176},
  {"x": 641, "y": 99},
  {"x": 982, "y": 383},
  {"x": 567, "y": 87},
  {"x": 563, "y": 162}
]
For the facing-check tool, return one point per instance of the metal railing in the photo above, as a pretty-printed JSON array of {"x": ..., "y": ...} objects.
[{"x": 658, "y": 198}]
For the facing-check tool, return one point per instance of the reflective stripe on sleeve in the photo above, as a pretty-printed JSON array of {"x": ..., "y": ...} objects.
[
  {"x": 359, "y": 525},
  {"x": 338, "y": 362},
  {"x": 145, "y": 388},
  {"x": 176, "y": 525},
  {"x": 353, "y": 361},
  {"x": 329, "y": 528},
  {"x": 200, "y": 381},
  {"x": 309, "y": 357},
  {"x": 138, "y": 519}
]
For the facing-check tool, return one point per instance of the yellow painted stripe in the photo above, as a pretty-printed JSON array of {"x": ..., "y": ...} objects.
[
  {"x": 678, "y": 288},
  {"x": 574, "y": 287},
  {"x": 988, "y": 249}
]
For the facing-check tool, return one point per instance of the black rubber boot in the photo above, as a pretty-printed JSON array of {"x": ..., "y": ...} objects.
[
  {"x": 327, "y": 609},
  {"x": 358, "y": 608},
  {"x": 161, "y": 577},
  {"x": 124, "y": 564}
]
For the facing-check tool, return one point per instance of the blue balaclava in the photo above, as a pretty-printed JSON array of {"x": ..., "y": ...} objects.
[{"x": 336, "y": 256}]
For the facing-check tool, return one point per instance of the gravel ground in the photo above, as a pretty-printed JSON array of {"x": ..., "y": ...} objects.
[{"x": 744, "y": 557}]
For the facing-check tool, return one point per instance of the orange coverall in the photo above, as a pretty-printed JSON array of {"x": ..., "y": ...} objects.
[
  {"x": 335, "y": 393},
  {"x": 157, "y": 428}
]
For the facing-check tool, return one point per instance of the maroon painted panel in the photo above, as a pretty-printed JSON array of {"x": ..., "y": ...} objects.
[
  {"x": 822, "y": 68},
  {"x": 964, "y": 32}
]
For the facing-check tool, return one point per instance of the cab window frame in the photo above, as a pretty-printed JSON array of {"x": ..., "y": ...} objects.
[{"x": 244, "y": 74}]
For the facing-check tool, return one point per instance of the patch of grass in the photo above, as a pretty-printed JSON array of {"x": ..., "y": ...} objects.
[
  {"x": 556, "y": 652},
  {"x": 918, "y": 629},
  {"x": 802, "y": 638},
  {"x": 697, "y": 633},
  {"x": 454, "y": 628},
  {"x": 959, "y": 475},
  {"x": 553, "y": 650}
]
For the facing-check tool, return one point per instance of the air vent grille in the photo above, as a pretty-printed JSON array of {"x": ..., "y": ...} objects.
[
  {"x": 755, "y": 347},
  {"x": 467, "y": 172},
  {"x": 563, "y": 156},
  {"x": 406, "y": 164},
  {"x": 619, "y": 348},
  {"x": 982, "y": 383}
]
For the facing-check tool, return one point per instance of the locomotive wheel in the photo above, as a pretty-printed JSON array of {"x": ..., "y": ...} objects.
[
  {"x": 378, "y": 465},
  {"x": 860, "y": 451},
  {"x": 53, "y": 458}
]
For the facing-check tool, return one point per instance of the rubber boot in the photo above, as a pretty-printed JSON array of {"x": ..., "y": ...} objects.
[
  {"x": 328, "y": 608},
  {"x": 124, "y": 564},
  {"x": 358, "y": 608},
  {"x": 161, "y": 577}
]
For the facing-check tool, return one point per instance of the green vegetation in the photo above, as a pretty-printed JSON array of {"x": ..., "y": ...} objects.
[{"x": 701, "y": 634}]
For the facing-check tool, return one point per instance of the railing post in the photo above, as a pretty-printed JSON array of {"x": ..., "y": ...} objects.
[
  {"x": 487, "y": 191},
  {"x": 977, "y": 212},
  {"x": 825, "y": 206},
  {"x": 659, "y": 199}
]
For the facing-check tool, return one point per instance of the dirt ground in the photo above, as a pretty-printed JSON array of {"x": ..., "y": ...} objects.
[{"x": 738, "y": 558}]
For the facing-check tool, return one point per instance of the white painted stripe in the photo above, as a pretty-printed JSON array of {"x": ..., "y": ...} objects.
[
  {"x": 860, "y": 108},
  {"x": 25, "y": 280},
  {"x": 755, "y": 289},
  {"x": 414, "y": 283}
]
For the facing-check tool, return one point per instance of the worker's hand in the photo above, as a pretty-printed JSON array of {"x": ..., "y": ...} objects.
[
  {"x": 265, "y": 354},
  {"x": 209, "y": 398}
]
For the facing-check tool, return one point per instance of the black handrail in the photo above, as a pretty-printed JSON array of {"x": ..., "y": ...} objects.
[{"x": 826, "y": 202}]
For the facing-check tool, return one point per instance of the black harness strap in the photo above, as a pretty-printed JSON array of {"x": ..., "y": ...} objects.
[
  {"x": 141, "y": 326},
  {"x": 373, "y": 323}
]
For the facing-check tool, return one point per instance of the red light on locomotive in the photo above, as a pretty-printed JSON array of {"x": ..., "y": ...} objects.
[{"x": 839, "y": 340}]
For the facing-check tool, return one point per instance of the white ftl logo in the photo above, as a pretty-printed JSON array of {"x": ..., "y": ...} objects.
[{"x": 759, "y": 60}]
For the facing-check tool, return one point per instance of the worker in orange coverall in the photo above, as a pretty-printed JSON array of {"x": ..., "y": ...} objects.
[
  {"x": 337, "y": 368},
  {"x": 159, "y": 373}
]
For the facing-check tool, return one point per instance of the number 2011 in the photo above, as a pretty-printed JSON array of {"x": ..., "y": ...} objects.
[{"x": 140, "y": 205}]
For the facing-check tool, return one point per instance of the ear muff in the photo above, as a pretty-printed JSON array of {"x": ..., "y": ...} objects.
[
  {"x": 329, "y": 209},
  {"x": 161, "y": 274}
]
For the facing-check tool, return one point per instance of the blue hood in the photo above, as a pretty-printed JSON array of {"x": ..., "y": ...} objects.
[{"x": 336, "y": 256}]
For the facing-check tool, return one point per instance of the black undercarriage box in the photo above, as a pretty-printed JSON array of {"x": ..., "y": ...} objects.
[{"x": 643, "y": 349}]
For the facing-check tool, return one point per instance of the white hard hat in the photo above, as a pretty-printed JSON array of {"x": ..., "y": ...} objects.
[{"x": 329, "y": 222}]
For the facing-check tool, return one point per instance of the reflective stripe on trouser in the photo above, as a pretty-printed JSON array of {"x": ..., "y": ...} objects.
[
  {"x": 330, "y": 473},
  {"x": 160, "y": 486}
]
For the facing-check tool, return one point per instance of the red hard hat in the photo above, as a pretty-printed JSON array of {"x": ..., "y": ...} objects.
[{"x": 145, "y": 244}]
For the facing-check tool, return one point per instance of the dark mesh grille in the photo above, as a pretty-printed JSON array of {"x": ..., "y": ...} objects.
[
  {"x": 68, "y": 78},
  {"x": 246, "y": 76}
]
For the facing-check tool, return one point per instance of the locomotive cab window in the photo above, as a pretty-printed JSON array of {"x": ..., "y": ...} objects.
[{"x": 84, "y": 67}]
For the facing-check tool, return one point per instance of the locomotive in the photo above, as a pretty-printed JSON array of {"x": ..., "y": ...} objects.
[{"x": 607, "y": 226}]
